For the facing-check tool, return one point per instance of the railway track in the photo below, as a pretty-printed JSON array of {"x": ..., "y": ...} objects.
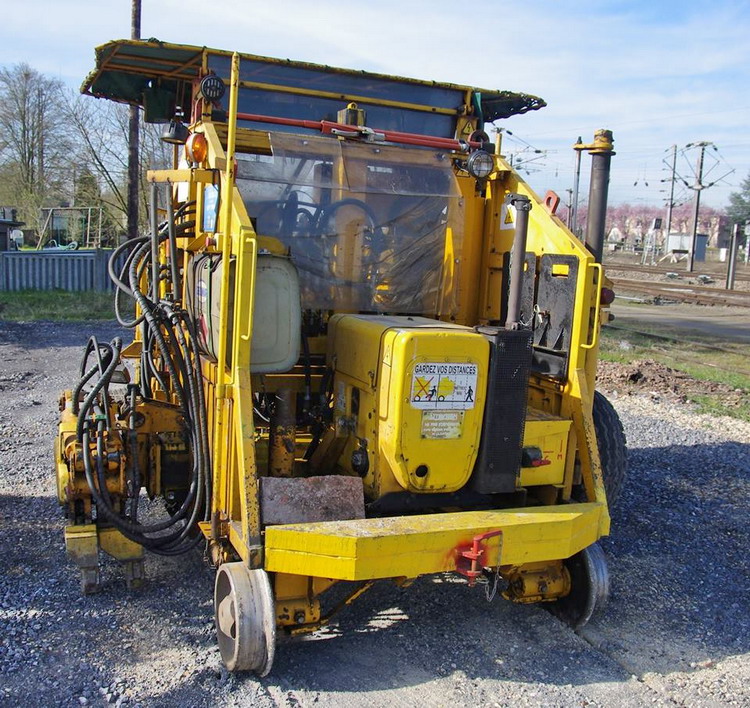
[
  {"x": 717, "y": 271},
  {"x": 683, "y": 293}
]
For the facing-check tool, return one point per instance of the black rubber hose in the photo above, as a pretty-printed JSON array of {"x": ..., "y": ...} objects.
[
  {"x": 194, "y": 385},
  {"x": 202, "y": 415},
  {"x": 145, "y": 306},
  {"x": 118, "y": 291},
  {"x": 94, "y": 392},
  {"x": 181, "y": 360},
  {"x": 105, "y": 389},
  {"x": 134, "y": 530},
  {"x": 174, "y": 269},
  {"x": 151, "y": 362},
  {"x": 155, "y": 331},
  {"x": 82, "y": 431},
  {"x": 145, "y": 382},
  {"x": 86, "y": 377},
  {"x": 123, "y": 525},
  {"x": 121, "y": 284},
  {"x": 135, "y": 470}
]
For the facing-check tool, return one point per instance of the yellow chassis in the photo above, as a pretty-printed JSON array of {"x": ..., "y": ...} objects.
[{"x": 307, "y": 558}]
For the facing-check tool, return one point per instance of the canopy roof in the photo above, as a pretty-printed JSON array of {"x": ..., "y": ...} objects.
[{"x": 143, "y": 72}]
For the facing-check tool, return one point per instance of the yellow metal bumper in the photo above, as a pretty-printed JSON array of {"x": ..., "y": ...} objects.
[{"x": 409, "y": 546}]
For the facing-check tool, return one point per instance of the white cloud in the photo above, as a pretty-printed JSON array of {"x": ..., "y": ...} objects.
[{"x": 656, "y": 73}]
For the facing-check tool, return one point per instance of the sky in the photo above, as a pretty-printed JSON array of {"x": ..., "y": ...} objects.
[{"x": 657, "y": 73}]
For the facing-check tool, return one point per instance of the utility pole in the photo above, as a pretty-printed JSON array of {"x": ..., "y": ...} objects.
[
  {"x": 670, "y": 203},
  {"x": 698, "y": 187},
  {"x": 570, "y": 208},
  {"x": 732, "y": 257},
  {"x": 133, "y": 166}
]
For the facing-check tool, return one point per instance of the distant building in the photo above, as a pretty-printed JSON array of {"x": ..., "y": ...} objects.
[{"x": 8, "y": 225}]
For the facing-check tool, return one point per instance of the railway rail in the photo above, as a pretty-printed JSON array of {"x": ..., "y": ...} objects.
[
  {"x": 683, "y": 293},
  {"x": 717, "y": 270}
]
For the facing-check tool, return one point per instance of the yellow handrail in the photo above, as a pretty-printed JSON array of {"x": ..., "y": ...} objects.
[
  {"x": 597, "y": 307},
  {"x": 226, "y": 237}
]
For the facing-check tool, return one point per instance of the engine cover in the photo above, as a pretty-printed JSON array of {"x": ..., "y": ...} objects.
[{"x": 410, "y": 392}]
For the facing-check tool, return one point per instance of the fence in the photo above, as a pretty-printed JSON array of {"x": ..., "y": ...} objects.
[{"x": 55, "y": 270}]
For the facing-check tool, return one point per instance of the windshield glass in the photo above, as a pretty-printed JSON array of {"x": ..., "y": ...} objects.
[{"x": 370, "y": 228}]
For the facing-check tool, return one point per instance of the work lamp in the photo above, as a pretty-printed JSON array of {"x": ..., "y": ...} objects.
[{"x": 480, "y": 164}]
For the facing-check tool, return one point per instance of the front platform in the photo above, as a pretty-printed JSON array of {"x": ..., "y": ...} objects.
[{"x": 410, "y": 546}]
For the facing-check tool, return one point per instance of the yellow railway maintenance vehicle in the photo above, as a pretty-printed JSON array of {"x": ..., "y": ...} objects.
[{"x": 363, "y": 349}]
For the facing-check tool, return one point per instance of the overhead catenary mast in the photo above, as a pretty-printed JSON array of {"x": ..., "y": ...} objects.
[
  {"x": 698, "y": 187},
  {"x": 670, "y": 203}
]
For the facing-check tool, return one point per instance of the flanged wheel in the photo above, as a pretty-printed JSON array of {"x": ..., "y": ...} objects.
[
  {"x": 245, "y": 618},
  {"x": 589, "y": 587}
]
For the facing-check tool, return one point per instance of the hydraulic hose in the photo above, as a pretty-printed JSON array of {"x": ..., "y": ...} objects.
[{"x": 170, "y": 356}]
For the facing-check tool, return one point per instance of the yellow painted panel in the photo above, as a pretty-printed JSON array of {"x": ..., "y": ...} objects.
[
  {"x": 354, "y": 345},
  {"x": 416, "y": 545},
  {"x": 423, "y": 384},
  {"x": 118, "y": 546},
  {"x": 550, "y": 435},
  {"x": 430, "y": 379}
]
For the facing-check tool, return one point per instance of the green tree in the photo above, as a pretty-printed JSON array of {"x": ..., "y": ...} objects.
[
  {"x": 87, "y": 191},
  {"x": 739, "y": 203}
]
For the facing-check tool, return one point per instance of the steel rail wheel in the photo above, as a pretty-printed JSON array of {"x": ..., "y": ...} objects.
[
  {"x": 245, "y": 618},
  {"x": 589, "y": 579}
]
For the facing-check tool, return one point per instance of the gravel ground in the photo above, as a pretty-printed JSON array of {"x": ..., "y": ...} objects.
[{"x": 676, "y": 632}]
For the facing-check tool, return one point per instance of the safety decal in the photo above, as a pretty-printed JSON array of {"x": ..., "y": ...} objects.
[
  {"x": 507, "y": 217},
  {"x": 442, "y": 425},
  {"x": 444, "y": 386}
]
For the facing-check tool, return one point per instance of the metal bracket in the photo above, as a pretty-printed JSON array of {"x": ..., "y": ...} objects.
[
  {"x": 468, "y": 560},
  {"x": 602, "y": 145}
]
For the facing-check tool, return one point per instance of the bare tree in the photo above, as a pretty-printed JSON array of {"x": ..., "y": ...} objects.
[
  {"x": 32, "y": 142},
  {"x": 102, "y": 145},
  {"x": 34, "y": 139},
  {"x": 102, "y": 130}
]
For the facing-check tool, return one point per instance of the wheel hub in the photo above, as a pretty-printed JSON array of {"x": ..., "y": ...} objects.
[{"x": 245, "y": 618}]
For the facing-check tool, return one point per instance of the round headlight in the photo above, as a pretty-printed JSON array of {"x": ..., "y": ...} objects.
[
  {"x": 480, "y": 164},
  {"x": 212, "y": 88}
]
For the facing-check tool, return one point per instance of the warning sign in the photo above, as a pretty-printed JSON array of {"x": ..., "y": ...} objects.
[
  {"x": 442, "y": 425},
  {"x": 507, "y": 217},
  {"x": 444, "y": 386}
]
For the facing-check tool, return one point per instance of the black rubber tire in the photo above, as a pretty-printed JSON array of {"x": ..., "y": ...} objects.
[{"x": 613, "y": 451}]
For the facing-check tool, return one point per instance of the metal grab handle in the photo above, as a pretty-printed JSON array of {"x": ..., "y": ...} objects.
[
  {"x": 597, "y": 307},
  {"x": 252, "y": 255}
]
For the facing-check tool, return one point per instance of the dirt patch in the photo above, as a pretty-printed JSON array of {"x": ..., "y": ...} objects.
[{"x": 646, "y": 376}]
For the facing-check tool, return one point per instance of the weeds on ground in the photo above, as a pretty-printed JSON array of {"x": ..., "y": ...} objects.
[
  {"x": 700, "y": 357},
  {"x": 56, "y": 305}
]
